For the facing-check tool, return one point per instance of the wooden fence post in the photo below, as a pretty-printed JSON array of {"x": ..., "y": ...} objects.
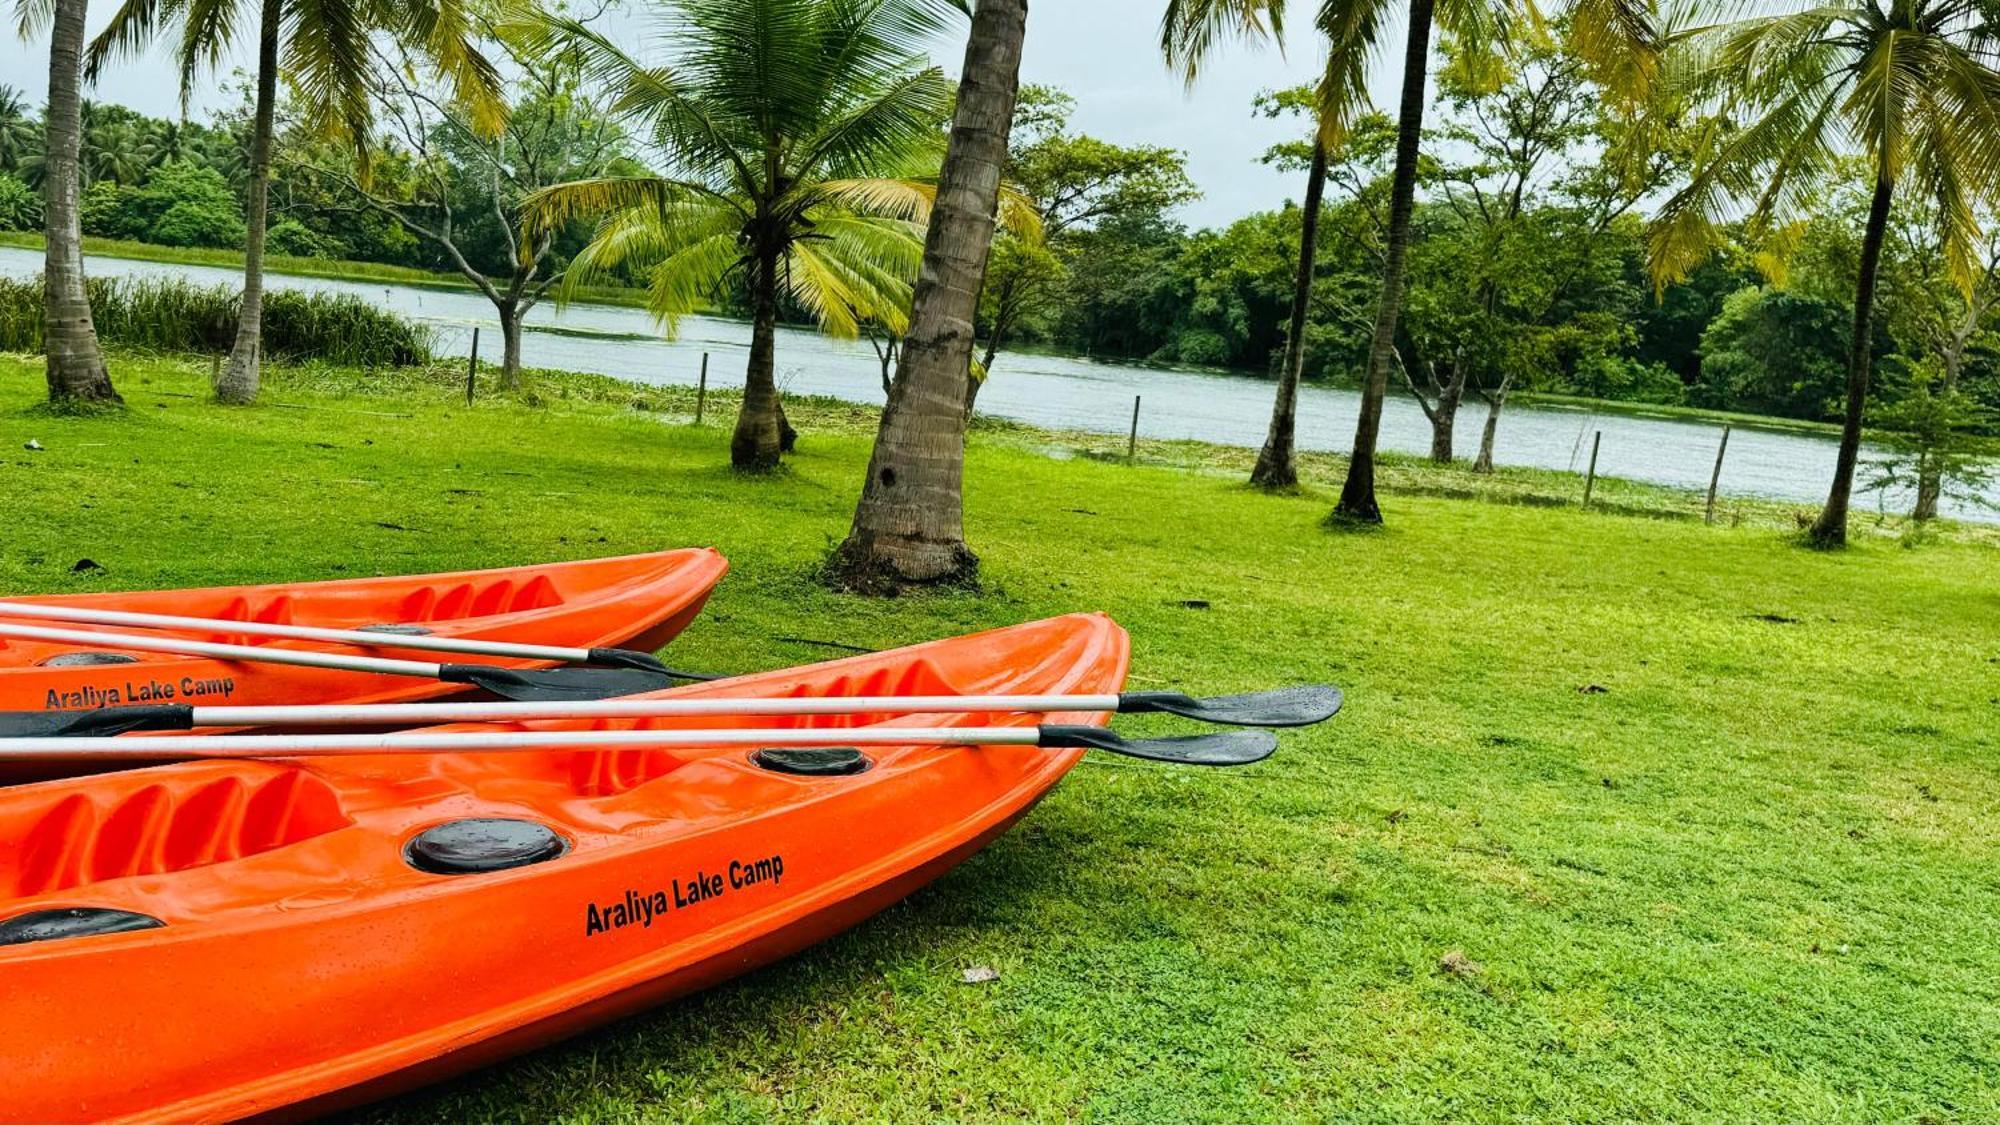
[
  {"x": 1132, "y": 443},
  {"x": 1590, "y": 481},
  {"x": 701, "y": 394},
  {"x": 472, "y": 367},
  {"x": 1715, "y": 478}
]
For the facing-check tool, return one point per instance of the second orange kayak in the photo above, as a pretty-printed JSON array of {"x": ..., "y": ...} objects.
[{"x": 635, "y": 601}]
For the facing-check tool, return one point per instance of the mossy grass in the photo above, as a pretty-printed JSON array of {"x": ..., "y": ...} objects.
[{"x": 1626, "y": 818}]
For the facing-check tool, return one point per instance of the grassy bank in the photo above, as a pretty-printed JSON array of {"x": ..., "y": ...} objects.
[
  {"x": 1628, "y": 818},
  {"x": 329, "y": 268}
]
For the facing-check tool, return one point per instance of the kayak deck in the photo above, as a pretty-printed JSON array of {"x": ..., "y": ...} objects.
[
  {"x": 640, "y": 601},
  {"x": 323, "y": 966}
]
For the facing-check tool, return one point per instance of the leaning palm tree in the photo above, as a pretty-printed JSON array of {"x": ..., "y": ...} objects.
[
  {"x": 783, "y": 128},
  {"x": 323, "y": 46},
  {"x": 1911, "y": 86},
  {"x": 76, "y": 371},
  {"x": 1615, "y": 35}
]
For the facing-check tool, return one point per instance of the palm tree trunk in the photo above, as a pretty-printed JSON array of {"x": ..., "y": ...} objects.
[
  {"x": 909, "y": 525},
  {"x": 1276, "y": 467},
  {"x": 76, "y": 371},
  {"x": 1831, "y": 528},
  {"x": 241, "y": 377},
  {"x": 1357, "y": 496},
  {"x": 758, "y": 440}
]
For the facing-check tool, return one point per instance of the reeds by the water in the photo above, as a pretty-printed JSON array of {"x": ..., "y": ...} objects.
[{"x": 171, "y": 315}]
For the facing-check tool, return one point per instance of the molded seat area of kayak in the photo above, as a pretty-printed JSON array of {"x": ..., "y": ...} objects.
[{"x": 303, "y": 922}]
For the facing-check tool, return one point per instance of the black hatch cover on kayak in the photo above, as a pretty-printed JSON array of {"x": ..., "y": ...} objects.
[
  {"x": 482, "y": 844},
  {"x": 830, "y": 761},
  {"x": 73, "y": 921}
]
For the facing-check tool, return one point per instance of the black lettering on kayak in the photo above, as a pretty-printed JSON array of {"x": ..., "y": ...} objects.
[
  {"x": 769, "y": 870},
  {"x": 641, "y": 908},
  {"x": 86, "y": 698},
  {"x": 208, "y": 689}
]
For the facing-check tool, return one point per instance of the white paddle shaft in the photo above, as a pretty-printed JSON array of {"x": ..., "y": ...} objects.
[
  {"x": 428, "y": 713},
  {"x": 182, "y": 647},
  {"x": 299, "y": 745},
  {"x": 356, "y": 637}
]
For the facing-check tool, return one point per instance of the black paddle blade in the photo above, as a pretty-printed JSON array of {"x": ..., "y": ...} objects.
[
  {"x": 556, "y": 685},
  {"x": 642, "y": 662},
  {"x": 1225, "y": 748},
  {"x": 1285, "y": 707},
  {"x": 102, "y": 723}
]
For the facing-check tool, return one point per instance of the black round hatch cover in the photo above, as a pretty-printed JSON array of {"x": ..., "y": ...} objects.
[
  {"x": 73, "y": 921},
  {"x": 87, "y": 659},
  {"x": 481, "y": 844},
  {"x": 831, "y": 761}
]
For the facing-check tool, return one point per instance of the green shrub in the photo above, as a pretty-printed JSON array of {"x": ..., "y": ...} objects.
[
  {"x": 20, "y": 206},
  {"x": 294, "y": 239},
  {"x": 174, "y": 316},
  {"x": 110, "y": 210},
  {"x": 198, "y": 223}
]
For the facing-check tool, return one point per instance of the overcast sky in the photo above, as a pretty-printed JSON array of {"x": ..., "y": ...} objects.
[{"x": 1104, "y": 52}]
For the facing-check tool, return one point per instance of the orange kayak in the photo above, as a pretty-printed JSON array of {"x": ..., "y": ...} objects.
[
  {"x": 638, "y": 601},
  {"x": 265, "y": 936}
]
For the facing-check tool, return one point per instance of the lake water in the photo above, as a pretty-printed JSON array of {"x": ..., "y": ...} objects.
[{"x": 1071, "y": 393}]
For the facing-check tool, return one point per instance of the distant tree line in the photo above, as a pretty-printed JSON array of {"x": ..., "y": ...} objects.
[{"x": 1524, "y": 277}]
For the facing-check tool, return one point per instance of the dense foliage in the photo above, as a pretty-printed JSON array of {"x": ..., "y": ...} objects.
[{"x": 1120, "y": 277}]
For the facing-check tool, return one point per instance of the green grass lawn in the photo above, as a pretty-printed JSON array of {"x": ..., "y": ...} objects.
[{"x": 1627, "y": 818}]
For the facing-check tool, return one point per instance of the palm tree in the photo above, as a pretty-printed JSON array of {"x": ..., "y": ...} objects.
[
  {"x": 1913, "y": 86},
  {"x": 17, "y": 129},
  {"x": 909, "y": 524},
  {"x": 323, "y": 45},
  {"x": 1616, "y": 35},
  {"x": 776, "y": 120},
  {"x": 76, "y": 371}
]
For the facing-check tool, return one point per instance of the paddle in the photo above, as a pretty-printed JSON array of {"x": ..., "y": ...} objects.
[
  {"x": 408, "y": 637},
  {"x": 537, "y": 685},
  {"x": 1224, "y": 748},
  {"x": 1287, "y": 707}
]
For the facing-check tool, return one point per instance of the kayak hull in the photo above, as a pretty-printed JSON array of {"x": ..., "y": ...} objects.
[
  {"x": 318, "y": 967},
  {"x": 635, "y": 601}
]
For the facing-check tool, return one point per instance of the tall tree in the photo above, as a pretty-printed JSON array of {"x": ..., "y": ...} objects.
[
  {"x": 324, "y": 46},
  {"x": 1616, "y": 35},
  {"x": 76, "y": 371},
  {"x": 1070, "y": 182},
  {"x": 909, "y": 524},
  {"x": 1913, "y": 83},
  {"x": 445, "y": 182},
  {"x": 788, "y": 129}
]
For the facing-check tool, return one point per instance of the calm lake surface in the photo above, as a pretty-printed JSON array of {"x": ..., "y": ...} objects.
[{"x": 1070, "y": 393}]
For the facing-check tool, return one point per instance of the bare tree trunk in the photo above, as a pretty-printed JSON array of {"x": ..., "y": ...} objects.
[
  {"x": 758, "y": 441},
  {"x": 1495, "y": 403},
  {"x": 241, "y": 378},
  {"x": 1831, "y": 528},
  {"x": 1930, "y": 469},
  {"x": 1357, "y": 496},
  {"x": 510, "y": 344},
  {"x": 1930, "y": 484},
  {"x": 76, "y": 371},
  {"x": 1444, "y": 420},
  {"x": 1276, "y": 467},
  {"x": 909, "y": 525},
  {"x": 973, "y": 385}
]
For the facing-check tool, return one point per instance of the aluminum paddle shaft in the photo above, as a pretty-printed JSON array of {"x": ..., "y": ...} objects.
[
  {"x": 360, "y": 638},
  {"x": 511, "y": 683}
]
